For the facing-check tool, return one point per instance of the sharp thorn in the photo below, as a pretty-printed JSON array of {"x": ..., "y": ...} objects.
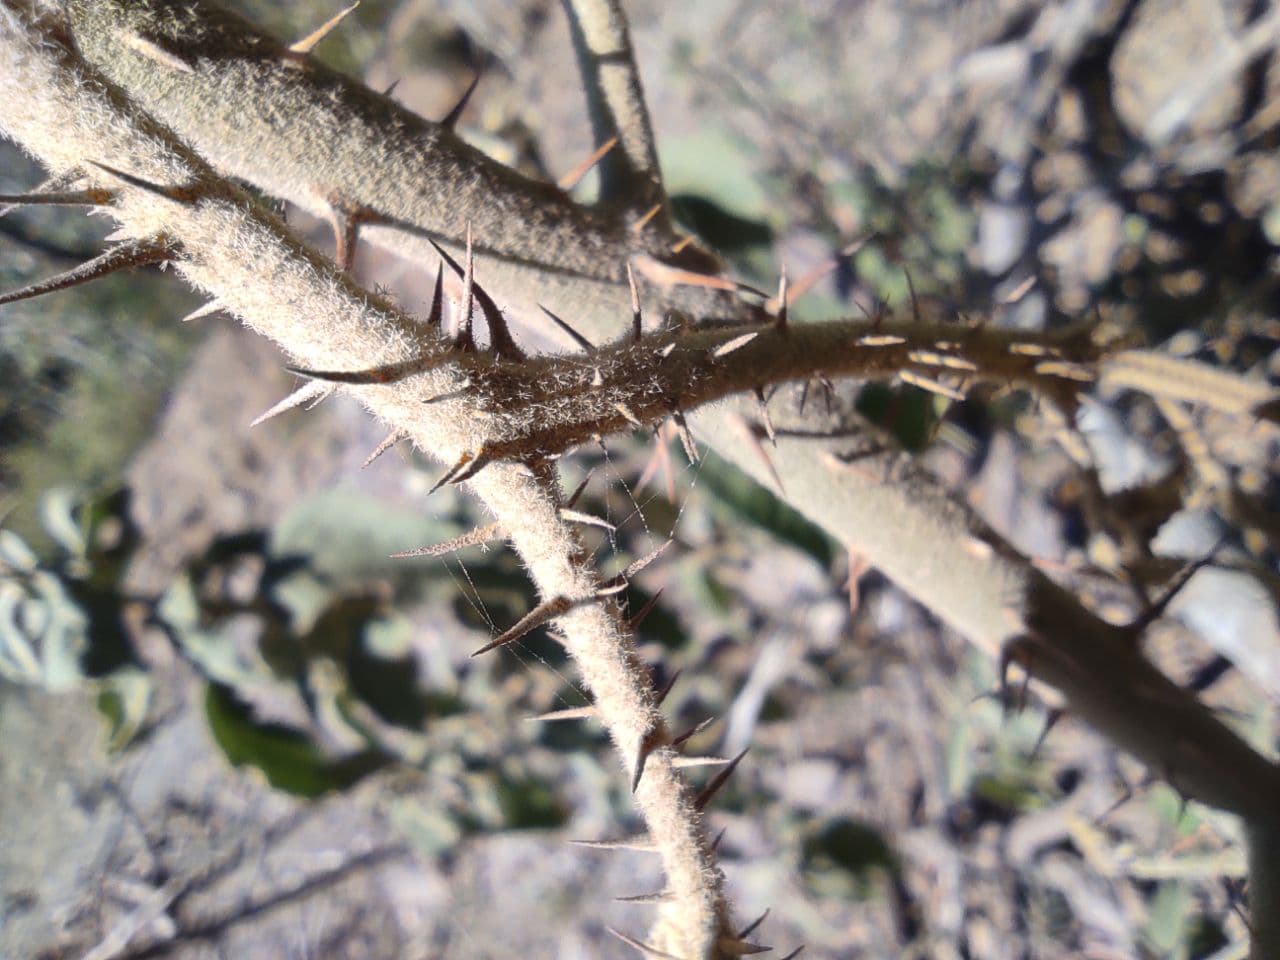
[
  {"x": 572, "y": 713},
  {"x": 660, "y": 896},
  {"x": 574, "y": 176},
  {"x": 388, "y": 373},
  {"x": 208, "y": 310},
  {"x": 472, "y": 538},
  {"x": 644, "y": 948},
  {"x": 131, "y": 253},
  {"x": 499, "y": 333},
  {"x": 586, "y": 519},
  {"x": 639, "y": 225},
  {"x": 463, "y": 462},
  {"x": 315, "y": 390},
  {"x": 391, "y": 87},
  {"x": 682, "y": 244},
  {"x": 153, "y": 51},
  {"x": 692, "y": 732},
  {"x": 92, "y": 197},
  {"x": 911, "y": 288},
  {"x": 666, "y": 275},
  {"x": 661, "y": 695},
  {"x": 627, "y": 415},
  {"x": 638, "y": 846},
  {"x": 651, "y": 742},
  {"x": 736, "y": 343},
  {"x": 740, "y": 948},
  {"x": 450, "y": 120},
  {"x": 715, "y": 844},
  {"x": 615, "y": 584},
  {"x": 794, "y": 953},
  {"x": 183, "y": 195},
  {"x": 767, "y": 420},
  {"x": 1156, "y": 610},
  {"x": 1051, "y": 719},
  {"x": 577, "y": 338},
  {"x": 389, "y": 441},
  {"x": 543, "y": 613},
  {"x": 345, "y": 225},
  {"x": 751, "y": 927},
  {"x": 686, "y": 437},
  {"x": 686, "y": 762},
  {"x": 637, "y": 318},
  {"x": 640, "y": 616},
  {"x": 308, "y": 43},
  {"x": 718, "y": 781},
  {"x": 436, "y": 316},
  {"x": 578, "y": 491}
]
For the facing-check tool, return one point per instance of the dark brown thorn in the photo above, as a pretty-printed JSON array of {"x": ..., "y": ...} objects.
[
  {"x": 637, "y": 318},
  {"x": 649, "y": 214},
  {"x": 315, "y": 390},
  {"x": 464, "y": 463},
  {"x": 1050, "y": 721},
  {"x": 750, "y": 928},
  {"x": 718, "y": 781},
  {"x": 436, "y": 316},
  {"x": 472, "y": 538},
  {"x": 639, "y": 846},
  {"x": 577, "y": 338},
  {"x": 586, "y": 519},
  {"x": 659, "y": 896},
  {"x": 450, "y": 120},
  {"x": 153, "y": 51},
  {"x": 641, "y": 615},
  {"x": 389, "y": 373},
  {"x": 131, "y": 253},
  {"x": 543, "y": 613},
  {"x": 911, "y": 288},
  {"x": 389, "y": 441},
  {"x": 686, "y": 437},
  {"x": 1180, "y": 580},
  {"x": 499, "y": 333},
  {"x": 391, "y": 87},
  {"x": 571, "y": 713},
  {"x": 92, "y": 197},
  {"x": 804, "y": 395},
  {"x": 308, "y": 43},
  {"x": 692, "y": 732},
  {"x": 715, "y": 844},
  {"x": 661, "y": 695},
  {"x": 574, "y": 176},
  {"x": 740, "y": 948},
  {"x": 781, "y": 320},
  {"x": 763, "y": 402},
  {"x": 578, "y": 491},
  {"x": 794, "y": 953},
  {"x": 183, "y": 195},
  {"x": 644, "y": 948},
  {"x": 208, "y": 310},
  {"x": 652, "y": 740}
]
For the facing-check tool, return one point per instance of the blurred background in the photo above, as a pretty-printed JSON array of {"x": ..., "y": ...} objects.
[{"x": 232, "y": 726}]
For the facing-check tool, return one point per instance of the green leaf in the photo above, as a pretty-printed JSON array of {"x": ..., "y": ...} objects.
[
  {"x": 755, "y": 504},
  {"x": 286, "y": 757}
]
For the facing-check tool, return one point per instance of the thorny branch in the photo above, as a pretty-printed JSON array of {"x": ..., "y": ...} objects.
[{"x": 218, "y": 83}]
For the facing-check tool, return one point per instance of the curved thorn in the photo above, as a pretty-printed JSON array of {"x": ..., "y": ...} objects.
[
  {"x": 131, "y": 253},
  {"x": 309, "y": 42},
  {"x": 577, "y": 338},
  {"x": 472, "y": 538},
  {"x": 450, "y": 120},
  {"x": 389, "y": 441},
  {"x": 720, "y": 779},
  {"x": 182, "y": 195},
  {"x": 574, "y": 176},
  {"x": 644, "y": 948},
  {"x": 543, "y": 613},
  {"x": 208, "y": 310},
  {"x": 634, "y": 623},
  {"x": 751, "y": 927},
  {"x": 315, "y": 390}
]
